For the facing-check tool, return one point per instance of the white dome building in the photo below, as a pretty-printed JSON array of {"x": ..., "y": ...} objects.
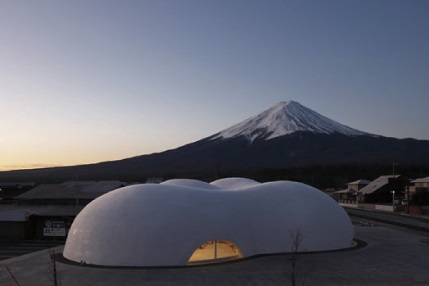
[{"x": 181, "y": 222}]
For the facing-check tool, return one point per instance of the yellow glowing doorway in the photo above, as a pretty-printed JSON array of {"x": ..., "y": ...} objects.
[{"x": 215, "y": 251}]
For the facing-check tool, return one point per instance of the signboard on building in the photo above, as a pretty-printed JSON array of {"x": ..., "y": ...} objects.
[{"x": 54, "y": 228}]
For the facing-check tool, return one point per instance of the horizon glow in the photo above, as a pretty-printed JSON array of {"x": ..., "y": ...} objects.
[{"x": 85, "y": 82}]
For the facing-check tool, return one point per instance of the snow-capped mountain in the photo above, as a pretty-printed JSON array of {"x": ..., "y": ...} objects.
[
  {"x": 285, "y": 118},
  {"x": 287, "y": 135}
]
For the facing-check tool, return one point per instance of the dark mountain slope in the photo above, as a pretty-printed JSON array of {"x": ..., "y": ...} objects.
[
  {"x": 283, "y": 136},
  {"x": 205, "y": 156}
]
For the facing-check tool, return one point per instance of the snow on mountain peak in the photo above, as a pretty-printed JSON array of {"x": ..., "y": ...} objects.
[{"x": 285, "y": 118}]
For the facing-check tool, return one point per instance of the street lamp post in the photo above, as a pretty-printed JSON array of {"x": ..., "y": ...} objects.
[{"x": 393, "y": 200}]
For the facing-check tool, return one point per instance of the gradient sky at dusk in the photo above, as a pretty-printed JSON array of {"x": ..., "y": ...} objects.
[{"x": 88, "y": 81}]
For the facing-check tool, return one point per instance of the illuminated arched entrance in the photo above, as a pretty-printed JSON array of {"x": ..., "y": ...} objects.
[{"x": 215, "y": 251}]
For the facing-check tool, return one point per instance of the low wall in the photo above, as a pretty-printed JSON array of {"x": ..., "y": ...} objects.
[
  {"x": 387, "y": 208},
  {"x": 348, "y": 205},
  {"x": 415, "y": 210},
  {"x": 384, "y": 208},
  {"x": 347, "y": 202}
]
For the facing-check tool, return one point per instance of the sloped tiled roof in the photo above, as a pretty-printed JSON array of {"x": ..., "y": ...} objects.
[
  {"x": 421, "y": 180},
  {"x": 72, "y": 190},
  {"x": 377, "y": 184},
  {"x": 22, "y": 212},
  {"x": 360, "y": 182}
]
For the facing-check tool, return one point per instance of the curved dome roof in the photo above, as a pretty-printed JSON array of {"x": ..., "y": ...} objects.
[
  {"x": 162, "y": 225},
  {"x": 189, "y": 183},
  {"x": 234, "y": 183}
]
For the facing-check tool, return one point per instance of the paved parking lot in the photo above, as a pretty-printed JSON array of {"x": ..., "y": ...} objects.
[
  {"x": 14, "y": 248},
  {"x": 393, "y": 256}
]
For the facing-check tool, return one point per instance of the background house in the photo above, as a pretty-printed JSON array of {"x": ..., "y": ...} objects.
[
  {"x": 380, "y": 190},
  {"x": 350, "y": 193},
  {"x": 418, "y": 184},
  {"x": 48, "y": 210}
]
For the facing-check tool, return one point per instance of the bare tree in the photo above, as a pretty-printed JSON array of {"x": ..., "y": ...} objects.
[
  {"x": 53, "y": 268},
  {"x": 296, "y": 271}
]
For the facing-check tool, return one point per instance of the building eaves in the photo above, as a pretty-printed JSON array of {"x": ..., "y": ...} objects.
[{"x": 421, "y": 180}]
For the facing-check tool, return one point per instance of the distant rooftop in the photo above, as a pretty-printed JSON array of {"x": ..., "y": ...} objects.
[
  {"x": 421, "y": 180},
  {"x": 21, "y": 213},
  {"x": 377, "y": 184},
  {"x": 72, "y": 190},
  {"x": 360, "y": 182}
]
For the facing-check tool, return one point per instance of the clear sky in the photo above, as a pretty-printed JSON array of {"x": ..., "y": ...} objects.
[{"x": 86, "y": 81}]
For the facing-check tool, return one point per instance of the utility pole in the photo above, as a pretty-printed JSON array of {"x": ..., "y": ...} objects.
[
  {"x": 77, "y": 195},
  {"x": 408, "y": 198},
  {"x": 393, "y": 167}
]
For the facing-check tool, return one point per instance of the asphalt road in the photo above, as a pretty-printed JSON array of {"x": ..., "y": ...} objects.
[{"x": 418, "y": 223}]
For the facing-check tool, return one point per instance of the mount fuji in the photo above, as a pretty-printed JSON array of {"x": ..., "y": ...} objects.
[
  {"x": 287, "y": 135},
  {"x": 285, "y": 118}
]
